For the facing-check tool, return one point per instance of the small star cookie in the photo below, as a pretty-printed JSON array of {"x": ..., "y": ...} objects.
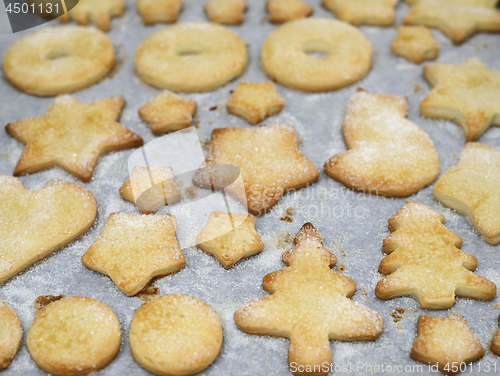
[
  {"x": 495, "y": 343},
  {"x": 415, "y": 43},
  {"x": 445, "y": 342},
  {"x": 457, "y": 19},
  {"x": 227, "y": 12},
  {"x": 10, "y": 335},
  {"x": 255, "y": 102},
  {"x": 472, "y": 187},
  {"x": 363, "y": 12},
  {"x": 226, "y": 243},
  {"x": 286, "y": 10},
  {"x": 168, "y": 112},
  {"x": 467, "y": 93},
  {"x": 159, "y": 11},
  {"x": 72, "y": 135},
  {"x": 134, "y": 249},
  {"x": 269, "y": 162}
]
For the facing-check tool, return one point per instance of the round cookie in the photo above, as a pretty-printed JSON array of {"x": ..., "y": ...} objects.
[
  {"x": 175, "y": 334},
  {"x": 285, "y": 55},
  {"x": 59, "y": 60},
  {"x": 191, "y": 57},
  {"x": 74, "y": 336},
  {"x": 10, "y": 335}
]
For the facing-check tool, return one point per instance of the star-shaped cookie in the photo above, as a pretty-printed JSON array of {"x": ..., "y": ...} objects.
[
  {"x": 255, "y": 102},
  {"x": 72, "y": 135},
  {"x": 457, "y": 19},
  {"x": 156, "y": 11},
  {"x": 229, "y": 237},
  {"x": 286, "y": 10},
  {"x": 467, "y": 93},
  {"x": 415, "y": 43},
  {"x": 227, "y": 12},
  {"x": 363, "y": 12},
  {"x": 269, "y": 162},
  {"x": 142, "y": 179},
  {"x": 168, "y": 112},
  {"x": 445, "y": 342},
  {"x": 134, "y": 249},
  {"x": 472, "y": 187}
]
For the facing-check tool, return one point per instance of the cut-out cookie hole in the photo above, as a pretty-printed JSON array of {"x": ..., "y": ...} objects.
[
  {"x": 189, "y": 50},
  {"x": 58, "y": 53},
  {"x": 317, "y": 49}
]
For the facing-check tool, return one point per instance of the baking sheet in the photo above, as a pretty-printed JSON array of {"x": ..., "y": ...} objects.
[{"x": 352, "y": 224}]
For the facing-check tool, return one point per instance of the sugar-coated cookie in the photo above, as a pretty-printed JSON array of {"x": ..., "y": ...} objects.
[
  {"x": 254, "y": 101},
  {"x": 457, "y": 19},
  {"x": 495, "y": 343},
  {"x": 309, "y": 305},
  {"x": 174, "y": 335},
  {"x": 287, "y": 10},
  {"x": 161, "y": 190},
  {"x": 33, "y": 224},
  {"x": 363, "y": 12},
  {"x": 227, "y": 12},
  {"x": 134, "y": 249},
  {"x": 425, "y": 261},
  {"x": 156, "y": 11},
  {"x": 415, "y": 43},
  {"x": 472, "y": 187},
  {"x": 58, "y": 60},
  {"x": 72, "y": 135},
  {"x": 74, "y": 336},
  {"x": 447, "y": 343},
  {"x": 269, "y": 162},
  {"x": 229, "y": 237},
  {"x": 191, "y": 57},
  {"x": 467, "y": 93},
  {"x": 285, "y": 55},
  {"x": 168, "y": 112},
  {"x": 10, "y": 335},
  {"x": 387, "y": 154}
]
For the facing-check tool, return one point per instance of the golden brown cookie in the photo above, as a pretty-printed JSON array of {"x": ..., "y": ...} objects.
[
  {"x": 457, "y": 19},
  {"x": 309, "y": 305},
  {"x": 58, "y": 60},
  {"x": 268, "y": 160},
  {"x": 387, "y": 154},
  {"x": 363, "y": 12},
  {"x": 72, "y": 135},
  {"x": 175, "y": 334},
  {"x": 287, "y": 10},
  {"x": 472, "y": 187},
  {"x": 285, "y": 55},
  {"x": 143, "y": 179},
  {"x": 156, "y": 11},
  {"x": 467, "y": 93},
  {"x": 255, "y": 102},
  {"x": 447, "y": 343},
  {"x": 74, "y": 336},
  {"x": 415, "y": 43},
  {"x": 495, "y": 343},
  {"x": 134, "y": 249},
  {"x": 191, "y": 57},
  {"x": 227, "y": 12},
  {"x": 168, "y": 112},
  {"x": 33, "y": 224},
  {"x": 10, "y": 335},
  {"x": 229, "y": 237},
  {"x": 425, "y": 261}
]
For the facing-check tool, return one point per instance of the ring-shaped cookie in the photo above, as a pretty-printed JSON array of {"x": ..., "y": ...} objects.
[
  {"x": 191, "y": 57},
  {"x": 285, "y": 55},
  {"x": 59, "y": 60}
]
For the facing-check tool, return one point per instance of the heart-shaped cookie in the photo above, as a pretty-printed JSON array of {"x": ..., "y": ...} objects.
[{"x": 33, "y": 224}]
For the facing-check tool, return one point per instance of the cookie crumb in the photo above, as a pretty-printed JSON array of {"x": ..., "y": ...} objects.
[
  {"x": 190, "y": 192},
  {"x": 416, "y": 88},
  {"x": 44, "y": 300},
  {"x": 287, "y": 215},
  {"x": 149, "y": 293}
]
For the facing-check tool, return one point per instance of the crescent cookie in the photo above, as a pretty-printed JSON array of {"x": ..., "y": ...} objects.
[
  {"x": 191, "y": 57},
  {"x": 387, "y": 154},
  {"x": 286, "y": 10},
  {"x": 284, "y": 55},
  {"x": 10, "y": 335},
  {"x": 363, "y": 12},
  {"x": 74, "y": 336},
  {"x": 175, "y": 334},
  {"x": 156, "y": 11},
  {"x": 58, "y": 60},
  {"x": 415, "y": 43},
  {"x": 228, "y": 12}
]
